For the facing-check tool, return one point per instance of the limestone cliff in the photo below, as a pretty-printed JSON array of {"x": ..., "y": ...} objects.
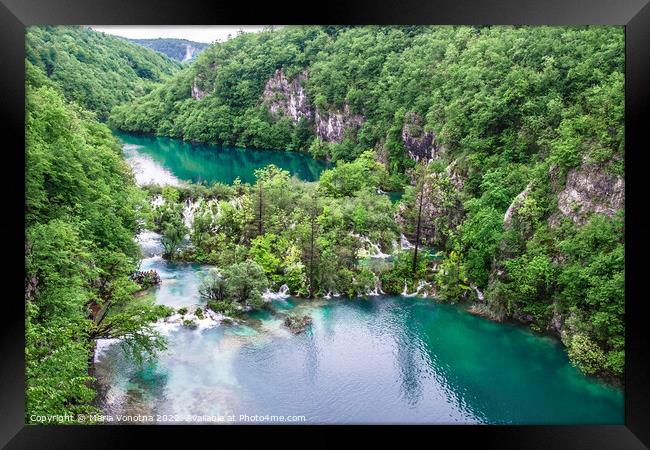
[
  {"x": 457, "y": 175},
  {"x": 287, "y": 97},
  {"x": 589, "y": 189},
  {"x": 442, "y": 211},
  {"x": 420, "y": 144},
  {"x": 198, "y": 87},
  {"x": 332, "y": 124}
]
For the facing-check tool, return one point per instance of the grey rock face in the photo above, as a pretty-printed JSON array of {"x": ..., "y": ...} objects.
[
  {"x": 284, "y": 96},
  {"x": 197, "y": 92},
  {"x": 456, "y": 175},
  {"x": 332, "y": 124},
  {"x": 420, "y": 145},
  {"x": 516, "y": 204},
  {"x": 381, "y": 153},
  {"x": 442, "y": 209},
  {"x": 590, "y": 189}
]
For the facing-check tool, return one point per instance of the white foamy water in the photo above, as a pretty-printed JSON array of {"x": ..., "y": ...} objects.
[
  {"x": 282, "y": 293},
  {"x": 102, "y": 346},
  {"x": 370, "y": 248},
  {"x": 149, "y": 243},
  {"x": 404, "y": 243}
]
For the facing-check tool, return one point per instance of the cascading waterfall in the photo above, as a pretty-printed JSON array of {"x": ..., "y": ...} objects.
[
  {"x": 188, "y": 212},
  {"x": 149, "y": 243},
  {"x": 282, "y": 293},
  {"x": 374, "y": 249},
  {"x": 479, "y": 294},
  {"x": 377, "y": 291},
  {"x": 158, "y": 201},
  {"x": 404, "y": 243},
  {"x": 421, "y": 285},
  {"x": 209, "y": 319}
]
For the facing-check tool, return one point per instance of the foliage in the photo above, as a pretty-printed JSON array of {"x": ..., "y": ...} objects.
[
  {"x": 80, "y": 220},
  {"x": 172, "y": 48},
  {"x": 512, "y": 110},
  {"x": 241, "y": 284},
  {"x": 348, "y": 178},
  {"x": 172, "y": 238},
  {"x": 96, "y": 70}
]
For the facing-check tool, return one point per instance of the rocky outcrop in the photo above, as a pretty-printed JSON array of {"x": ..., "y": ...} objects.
[
  {"x": 297, "y": 324},
  {"x": 287, "y": 97},
  {"x": 456, "y": 175},
  {"x": 332, "y": 124},
  {"x": 197, "y": 92},
  {"x": 442, "y": 211},
  {"x": 381, "y": 154},
  {"x": 284, "y": 96},
  {"x": 421, "y": 145},
  {"x": 589, "y": 189},
  {"x": 516, "y": 205}
]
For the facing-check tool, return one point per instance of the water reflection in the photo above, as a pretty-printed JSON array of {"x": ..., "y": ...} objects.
[
  {"x": 169, "y": 161},
  {"x": 376, "y": 360}
]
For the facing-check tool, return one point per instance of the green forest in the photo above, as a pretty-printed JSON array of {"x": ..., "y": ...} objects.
[
  {"x": 173, "y": 48},
  {"x": 96, "y": 70},
  {"x": 506, "y": 144}
]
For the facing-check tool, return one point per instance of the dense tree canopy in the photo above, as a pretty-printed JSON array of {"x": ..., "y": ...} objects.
[
  {"x": 511, "y": 113},
  {"x": 96, "y": 70},
  {"x": 172, "y": 48},
  {"x": 80, "y": 220}
]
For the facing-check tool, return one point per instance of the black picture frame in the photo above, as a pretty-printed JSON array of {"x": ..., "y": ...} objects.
[{"x": 15, "y": 15}]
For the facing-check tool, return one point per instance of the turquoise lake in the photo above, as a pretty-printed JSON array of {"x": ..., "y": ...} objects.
[
  {"x": 378, "y": 360},
  {"x": 365, "y": 360},
  {"x": 170, "y": 161}
]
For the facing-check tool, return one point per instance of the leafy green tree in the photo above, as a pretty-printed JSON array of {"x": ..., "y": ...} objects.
[
  {"x": 172, "y": 238},
  {"x": 94, "y": 69},
  {"x": 80, "y": 222},
  {"x": 347, "y": 178}
]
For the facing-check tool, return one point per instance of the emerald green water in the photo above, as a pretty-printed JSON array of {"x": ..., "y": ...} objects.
[
  {"x": 375, "y": 360},
  {"x": 169, "y": 161}
]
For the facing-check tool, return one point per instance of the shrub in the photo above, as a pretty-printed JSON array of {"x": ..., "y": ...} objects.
[{"x": 586, "y": 355}]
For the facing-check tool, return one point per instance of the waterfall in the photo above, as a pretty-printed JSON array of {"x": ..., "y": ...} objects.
[
  {"x": 149, "y": 243},
  {"x": 377, "y": 290},
  {"x": 188, "y": 212},
  {"x": 209, "y": 319},
  {"x": 405, "y": 291},
  {"x": 189, "y": 52},
  {"x": 479, "y": 294},
  {"x": 374, "y": 249},
  {"x": 404, "y": 243},
  {"x": 282, "y": 293},
  {"x": 157, "y": 201},
  {"x": 421, "y": 285}
]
